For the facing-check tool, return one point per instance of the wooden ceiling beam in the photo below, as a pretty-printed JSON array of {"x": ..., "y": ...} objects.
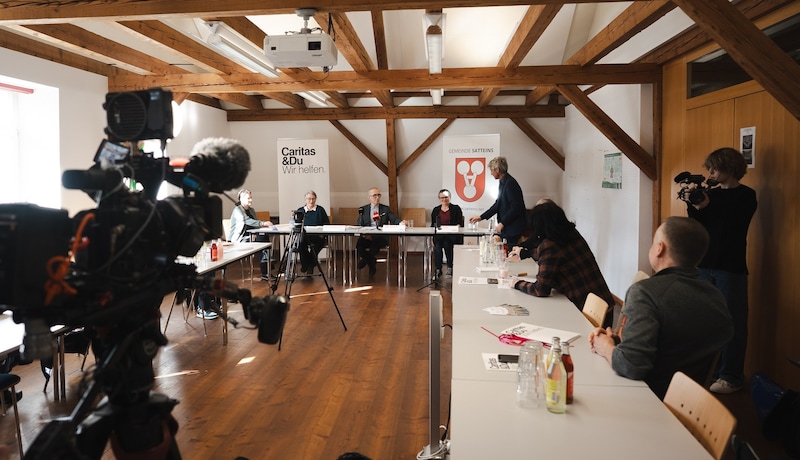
[
  {"x": 24, "y": 11},
  {"x": 756, "y": 53},
  {"x": 424, "y": 145},
  {"x": 539, "y": 140},
  {"x": 379, "y": 113},
  {"x": 536, "y": 20},
  {"x": 81, "y": 41},
  {"x": 400, "y": 79},
  {"x": 634, "y": 19},
  {"x": 360, "y": 146},
  {"x": 22, "y": 43},
  {"x": 612, "y": 131}
]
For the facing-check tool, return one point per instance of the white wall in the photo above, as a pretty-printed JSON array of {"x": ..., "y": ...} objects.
[
  {"x": 81, "y": 114},
  {"x": 352, "y": 174},
  {"x": 615, "y": 223}
]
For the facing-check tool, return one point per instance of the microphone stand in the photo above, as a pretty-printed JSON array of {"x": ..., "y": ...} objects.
[{"x": 435, "y": 282}]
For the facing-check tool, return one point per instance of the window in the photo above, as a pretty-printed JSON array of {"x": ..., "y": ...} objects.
[{"x": 717, "y": 70}]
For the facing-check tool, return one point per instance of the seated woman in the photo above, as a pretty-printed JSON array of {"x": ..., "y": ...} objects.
[
  {"x": 565, "y": 261},
  {"x": 445, "y": 214},
  {"x": 311, "y": 245}
]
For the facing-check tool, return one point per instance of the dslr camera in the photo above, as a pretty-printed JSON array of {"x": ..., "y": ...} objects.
[{"x": 693, "y": 187}]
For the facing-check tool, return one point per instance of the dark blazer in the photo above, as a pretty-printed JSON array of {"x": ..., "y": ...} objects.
[
  {"x": 509, "y": 207},
  {"x": 456, "y": 216},
  {"x": 386, "y": 216}
]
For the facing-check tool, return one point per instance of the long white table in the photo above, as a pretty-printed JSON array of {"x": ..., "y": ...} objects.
[
  {"x": 347, "y": 234},
  {"x": 231, "y": 253},
  {"x": 611, "y": 416}
]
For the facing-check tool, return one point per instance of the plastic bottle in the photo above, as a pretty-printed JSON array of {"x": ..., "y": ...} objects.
[
  {"x": 556, "y": 380},
  {"x": 566, "y": 358}
]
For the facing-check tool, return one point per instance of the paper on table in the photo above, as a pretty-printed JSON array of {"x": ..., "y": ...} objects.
[
  {"x": 492, "y": 363},
  {"x": 505, "y": 309},
  {"x": 541, "y": 333},
  {"x": 448, "y": 229},
  {"x": 473, "y": 280}
]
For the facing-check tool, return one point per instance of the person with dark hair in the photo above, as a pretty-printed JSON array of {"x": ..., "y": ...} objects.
[
  {"x": 509, "y": 205},
  {"x": 445, "y": 213},
  {"x": 726, "y": 212},
  {"x": 566, "y": 263},
  {"x": 311, "y": 245},
  {"x": 672, "y": 321}
]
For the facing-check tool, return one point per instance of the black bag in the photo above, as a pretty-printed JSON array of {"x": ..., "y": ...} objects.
[{"x": 779, "y": 412}]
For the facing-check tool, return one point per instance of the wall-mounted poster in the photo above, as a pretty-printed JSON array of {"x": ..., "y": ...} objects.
[
  {"x": 612, "y": 170},
  {"x": 747, "y": 145}
]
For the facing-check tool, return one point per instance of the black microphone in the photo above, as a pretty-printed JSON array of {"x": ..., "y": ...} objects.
[
  {"x": 360, "y": 215},
  {"x": 222, "y": 163},
  {"x": 438, "y": 225},
  {"x": 91, "y": 179}
]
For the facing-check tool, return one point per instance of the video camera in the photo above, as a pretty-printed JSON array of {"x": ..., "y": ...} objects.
[
  {"x": 693, "y": 186},
  {"x": 112, "y": 265}
]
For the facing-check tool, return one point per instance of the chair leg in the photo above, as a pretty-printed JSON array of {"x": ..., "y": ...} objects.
[{"x": 13, "y": 389}]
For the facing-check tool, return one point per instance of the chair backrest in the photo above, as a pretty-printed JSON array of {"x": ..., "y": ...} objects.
[
  {"x": 594, "y": 309},
  {"x": 640, "y": 275},
  {"x": 347, "y": 216},
  {"x": 226, "y": 229},
  {"x": 418, "y": 215},
  {"x": 262, "y": 215},
  {"x": 701, "y": 413}
]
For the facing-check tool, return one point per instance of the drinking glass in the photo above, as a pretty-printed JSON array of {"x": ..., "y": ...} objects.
[{"x": 530, "y": 375}]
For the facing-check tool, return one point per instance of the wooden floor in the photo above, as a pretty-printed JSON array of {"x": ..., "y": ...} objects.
[{"x": 324, "y": 393}]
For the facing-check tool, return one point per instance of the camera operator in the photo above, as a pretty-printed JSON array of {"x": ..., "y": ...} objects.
[
  {"x": 243, "y": 218},
  {"x": 314, "y": 215},
  {"x": 725, "y": 212}
]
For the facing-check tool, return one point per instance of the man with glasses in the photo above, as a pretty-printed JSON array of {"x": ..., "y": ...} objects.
[
  {"x": 311, "y": 245},
  {"x": 509, "y": 205},
  {"x": 445, "y": 214},
  {"x": 373, "y": 214}
]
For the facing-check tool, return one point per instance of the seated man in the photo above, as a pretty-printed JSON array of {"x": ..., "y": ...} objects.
[
  {"x": 373, "y": 214},
  {"x": 243, "y": 218},
  {"x": 673, "y": 321},
  {"x": 311, "y": 245}
]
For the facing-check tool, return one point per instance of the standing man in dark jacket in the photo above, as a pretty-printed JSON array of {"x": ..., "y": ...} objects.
[{"x": 509, "y": 206}]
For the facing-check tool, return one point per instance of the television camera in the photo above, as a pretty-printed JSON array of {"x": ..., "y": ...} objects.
[
  {"x": 108, "y": 269},
  {"x": 693, "y": 187}
]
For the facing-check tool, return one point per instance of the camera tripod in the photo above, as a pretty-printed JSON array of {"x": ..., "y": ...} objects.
[
  {"x": 288, "y": 268},
  {"x": 435, "y": 281},
  {"x": 137, "y": 421}
]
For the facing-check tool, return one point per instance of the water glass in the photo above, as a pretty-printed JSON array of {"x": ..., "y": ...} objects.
[
  {"x": 530, "y": 375},
  {"x": 410, "y": 223}
]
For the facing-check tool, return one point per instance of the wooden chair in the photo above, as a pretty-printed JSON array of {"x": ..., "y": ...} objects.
[
  {"x": 418, "y": 215},
  {"x": 594, "y": 309},
  {"x": 640, "y": 275},
  {"x": 9, "y": 382},
  {"x": 701, "y": 413},
  {"x": 262, "y": 215},
  {"x": 347, "y": 216}
]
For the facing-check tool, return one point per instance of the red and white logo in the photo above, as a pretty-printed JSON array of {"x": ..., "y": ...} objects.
[{"x": 470, "y": 178}]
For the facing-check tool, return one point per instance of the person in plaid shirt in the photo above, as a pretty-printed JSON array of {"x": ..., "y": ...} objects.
[{"x": 566, "y": 263}]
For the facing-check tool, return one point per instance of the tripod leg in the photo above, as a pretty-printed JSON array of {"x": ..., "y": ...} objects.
[{"x": 330, "y": 289}]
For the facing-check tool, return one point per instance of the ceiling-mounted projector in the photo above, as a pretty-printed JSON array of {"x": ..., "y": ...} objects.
[{"x": 301, "y": 50}]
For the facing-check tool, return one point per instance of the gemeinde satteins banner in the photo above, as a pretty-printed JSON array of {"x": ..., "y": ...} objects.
[
  {"x": 465, "y": 171},
  {"x": 302, "y": 166}
]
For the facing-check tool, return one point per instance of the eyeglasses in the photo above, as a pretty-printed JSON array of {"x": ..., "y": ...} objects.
[
  {"x": 444, "y": 197},
  {"x": 376, "y": 195}
]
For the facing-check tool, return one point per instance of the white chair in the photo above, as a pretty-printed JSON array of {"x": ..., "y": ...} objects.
[{"x": 709, "y": 421}]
